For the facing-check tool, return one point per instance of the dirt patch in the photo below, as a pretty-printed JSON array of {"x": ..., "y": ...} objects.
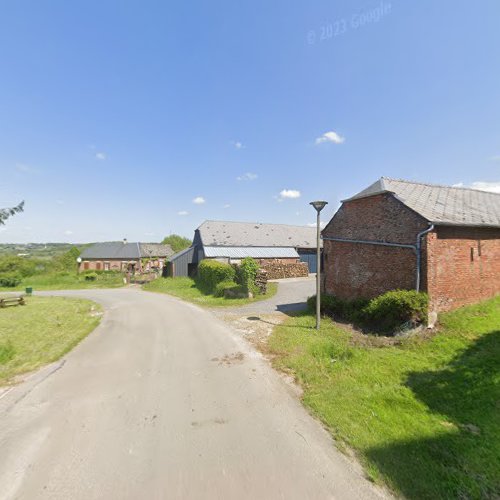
[{"x": 230, "y": 359}]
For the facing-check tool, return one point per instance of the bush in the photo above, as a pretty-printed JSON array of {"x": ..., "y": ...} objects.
[
  {"x": 385, "y": 313},
  {"x": 212, "y": 272},
  {"x": 246, "y": 274},
  {"x": 92, "y": 276},
  {"x": 392, "y": 309},
  {"x": 18, "y": 265},
  {"x": 10, "y": 279},
  {"x": 221, "y": 287}
]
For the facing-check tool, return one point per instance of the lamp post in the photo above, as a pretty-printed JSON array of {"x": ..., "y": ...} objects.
[
  {"x": 78, "y": 262},
  {"x": 318, "y": 206}
]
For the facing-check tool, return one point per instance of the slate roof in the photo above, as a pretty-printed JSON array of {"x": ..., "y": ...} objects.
[
  {"x": 256, "y": 234},
  {"x": 255, "y": 252},
  {"x": 445, "y": 205},
  {"x": 125, "y": 251},
  {"x": 155, "y": 250}
]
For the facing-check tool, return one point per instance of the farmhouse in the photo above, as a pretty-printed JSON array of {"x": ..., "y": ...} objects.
[
  {"x": 273, "y": 245},
  {"x": 124, "y": 256},
  {"x": 408, "y": 235}
]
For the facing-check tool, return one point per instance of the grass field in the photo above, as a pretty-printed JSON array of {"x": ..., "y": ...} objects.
[
  {"x": 67, "y": 281},
  {"x": 41, "y": 332},
  {"x": 185, "y": 289},
  {"x": 423, "y": 416}
]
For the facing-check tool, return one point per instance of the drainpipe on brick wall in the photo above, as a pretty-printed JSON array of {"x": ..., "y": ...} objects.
[
  {"x": 416, "y": 248},
  {"x": 419, "y": 254}
]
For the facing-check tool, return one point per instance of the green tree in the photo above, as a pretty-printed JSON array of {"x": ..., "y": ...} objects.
[
  {"x": 67, "y": 261},
  {"x": 177, "y": 242},
  {"x": 5, "y": 213}
]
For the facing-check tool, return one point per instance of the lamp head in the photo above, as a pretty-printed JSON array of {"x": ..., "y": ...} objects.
[{"x": 319, "y": 205}]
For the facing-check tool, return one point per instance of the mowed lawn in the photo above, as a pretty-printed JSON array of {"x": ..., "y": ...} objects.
[
  {"x": 185, "y": 288},
  {"x": 67, "y": 281},
  {"x": 41, "y": 332},
  {"x": 423, "y": 416}
]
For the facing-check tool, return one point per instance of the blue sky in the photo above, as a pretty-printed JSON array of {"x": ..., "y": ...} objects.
[{"x": 116, "y": 115}]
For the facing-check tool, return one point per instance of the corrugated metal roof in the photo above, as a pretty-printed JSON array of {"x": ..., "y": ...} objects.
[
  {"x": 120, "y": 250},
  {"x": 255, "y": 252},
  {"x": 256, "y": 234},
  {"x": 441, "y": 204}
]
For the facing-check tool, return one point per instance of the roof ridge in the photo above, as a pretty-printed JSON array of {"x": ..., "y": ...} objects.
[
  {"x": 253, "y": 222},
  {"x": 430, "y": 184}
]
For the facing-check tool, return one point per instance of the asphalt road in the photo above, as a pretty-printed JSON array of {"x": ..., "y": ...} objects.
[{"x": 164, "y": 401}]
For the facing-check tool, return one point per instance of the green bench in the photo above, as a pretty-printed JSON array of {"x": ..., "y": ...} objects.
[{"x": 12, "y": 301}]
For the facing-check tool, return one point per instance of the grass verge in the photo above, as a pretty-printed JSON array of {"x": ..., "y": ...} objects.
[
  {"x": 185, "y": 289},
  {"x": 41, "y": 332},
  {"x": 67, "y": 281},
  {"x": 423, "y": 416}
]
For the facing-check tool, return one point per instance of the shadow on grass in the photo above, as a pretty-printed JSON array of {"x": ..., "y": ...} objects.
[
  {"x": 464, "y": 459},
  {"x": 278, "y": 323}
]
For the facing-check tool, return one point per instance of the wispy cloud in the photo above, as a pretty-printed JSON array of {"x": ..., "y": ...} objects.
[
  {"x": 227, "y": 205},
  {"x": 68, "y": 232},
  {"x": 238, "y": 145},
  {"x": 493, "y": 187},
  {"x": 247, "y": 177},
  {"x": 199, "y": 200},
  {"x": 182, "y": 212},
  {"x": 330, "y": 136},
  {"x": 495, "y": 158},
  {"x": 101, "y": 156},
  {"x": 59, "y": 202},
  {"x": 322, "y": 224},
  {"x": 26, "y": 169},
  {"x": 290, "y": 194}
]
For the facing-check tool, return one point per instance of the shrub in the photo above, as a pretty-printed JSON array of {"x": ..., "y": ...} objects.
[
  {"x": 385, "y": 313},
  {"x": 22, "y": 266},
  {"x": 246, "y": 274},
  {"x": 10, "y": 279},
  {"x": 92, "y": 276},
  {"x": 212, "y": 272},
  {"x": 392, "y": 309},
  {"x": 221, "y": 287}
]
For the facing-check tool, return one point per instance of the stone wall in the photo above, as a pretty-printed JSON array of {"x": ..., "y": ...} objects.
[{"x": 277, "y": 269}]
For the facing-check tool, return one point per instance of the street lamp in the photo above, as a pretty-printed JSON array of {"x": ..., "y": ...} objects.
[
  {"x": 78, "y": 262},
  {"x": 318, "y": 206}
]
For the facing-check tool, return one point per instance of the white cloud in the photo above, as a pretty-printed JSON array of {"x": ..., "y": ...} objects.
[
  {"x": 493, "y": 187},
  {"x": 21, "y": 167},
  {"x": 101, "y": 156},
  {"x": 227, "y": 205},
  {"x": 199, "y": 200},
  {"x": 495, "y": 158},
  {"x": 238, "y": 145},
  {"x": 183, "y": 212},
  {"x": 60, "y": 202},
  {"x": 68, "y": 232},
  {"x": 322, "y": 224},
  {"x": 290, "y": 194},
  {"x": 247, "y": 177},
  {"x": 330, "y": 137}
]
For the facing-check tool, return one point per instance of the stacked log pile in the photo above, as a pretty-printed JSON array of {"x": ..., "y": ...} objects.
[
  {"x": 278, "y": 270},
  {"x": 261, "y": 281}
]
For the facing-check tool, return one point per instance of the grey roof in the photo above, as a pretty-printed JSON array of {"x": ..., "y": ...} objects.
[
  {"x": 444, "y": 205},
  {"x": 155, "y": 250},
  {"x": 125, "y": 251},
  {"x": 255, "y": 252},
  {"x": 256, "y": 234}
]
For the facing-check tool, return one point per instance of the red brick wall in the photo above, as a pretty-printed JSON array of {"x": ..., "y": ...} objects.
[
  {"x": 463, "y": 266},
  {"x": 354, "y": 270}
]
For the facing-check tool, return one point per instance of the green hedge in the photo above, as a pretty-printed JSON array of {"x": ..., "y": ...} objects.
[
  {"x": 211, "y": 273},
  {"x": 11, "y": 279},
  {"x": 386, "y": 313},
  {"x": 221, "y": 287},
  {"x": 246, "y": 274}
]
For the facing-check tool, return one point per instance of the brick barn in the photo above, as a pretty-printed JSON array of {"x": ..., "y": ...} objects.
[
  {"x": 125, "y": 257},
  {"x": 408, "y": 235}
]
